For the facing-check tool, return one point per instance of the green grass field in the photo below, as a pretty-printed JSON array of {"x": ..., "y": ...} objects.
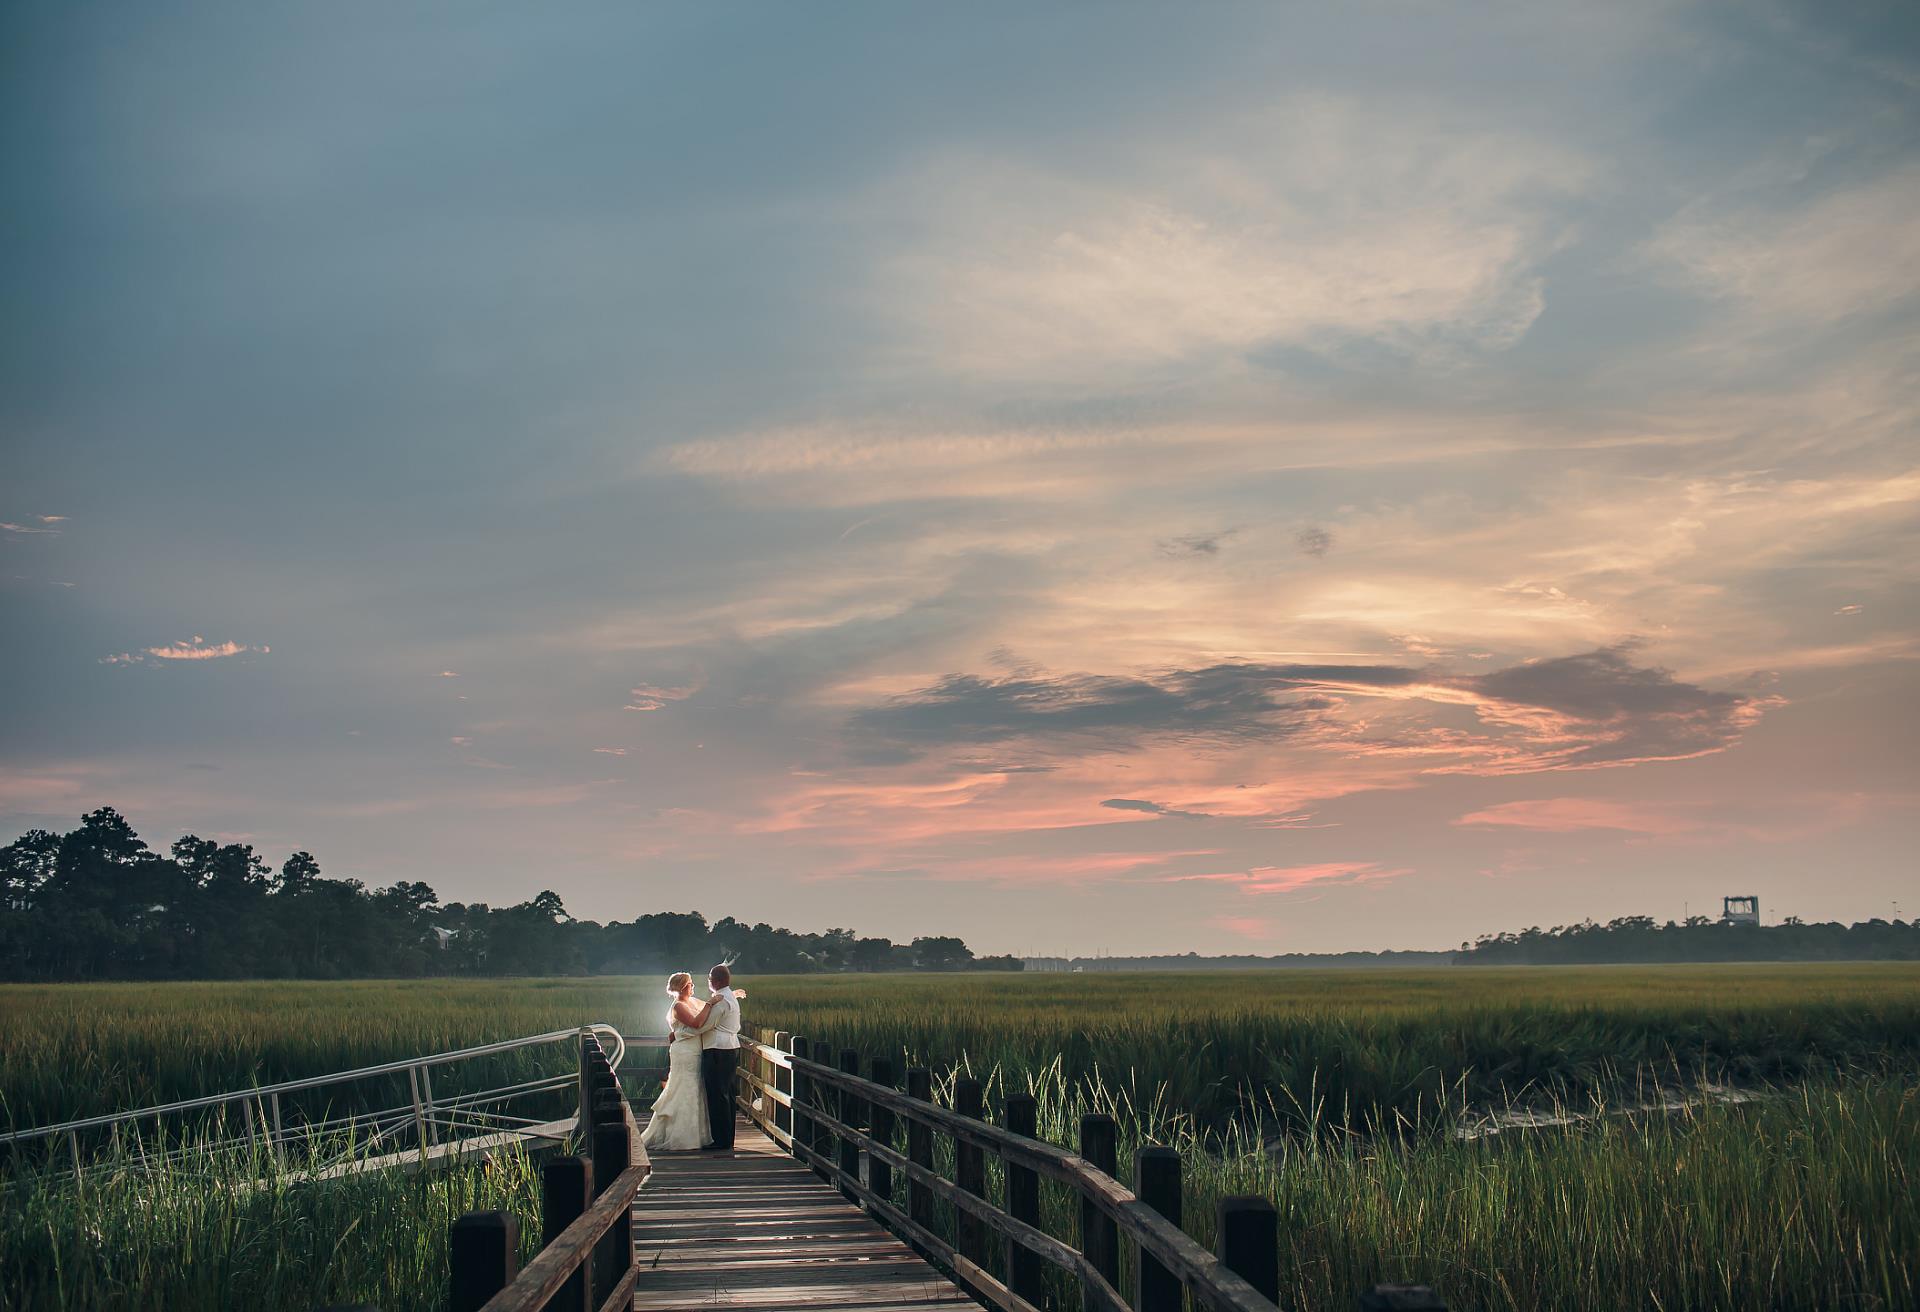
[
  {"x": 1362, "y": 1041},
  {"x": 1335, "y": 1093}
]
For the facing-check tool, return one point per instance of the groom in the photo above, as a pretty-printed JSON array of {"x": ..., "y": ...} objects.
[{"x": 719, "y": 1053}]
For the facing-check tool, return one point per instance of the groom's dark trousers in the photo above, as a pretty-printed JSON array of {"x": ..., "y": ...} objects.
[{"x": 716, "y": 1077}]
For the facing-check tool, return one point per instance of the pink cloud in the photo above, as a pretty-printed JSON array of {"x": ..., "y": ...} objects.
[
  {"x": 1565, "y": 815},
  {"x": 194, "y": 649},
  {"x": 47, "y": 788},
  {"x": 1286, "y": 879},
  {"x": 1021, "y": 869}
]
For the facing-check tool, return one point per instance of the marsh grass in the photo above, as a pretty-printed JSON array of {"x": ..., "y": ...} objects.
[
  {"x": 1802, "y": 1198},
  {"x": 1374, "y": 1042},
  {"x": 1334, "y": 1093},
  {"x": 207, "y": 1231}
]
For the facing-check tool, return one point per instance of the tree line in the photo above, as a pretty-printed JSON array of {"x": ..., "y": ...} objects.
[
  {"x": 96, "y": 903},
  {"x": 1639, "y": 940}
]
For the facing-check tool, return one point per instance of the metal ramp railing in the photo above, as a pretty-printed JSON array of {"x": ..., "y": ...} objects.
[{"x": 348, "y": 1121}]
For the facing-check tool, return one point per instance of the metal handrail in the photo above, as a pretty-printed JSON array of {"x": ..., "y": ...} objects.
[{"x": 317, "y": 1082}]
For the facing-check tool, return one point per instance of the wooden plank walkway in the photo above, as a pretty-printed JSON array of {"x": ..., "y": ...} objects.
[{"x": 754, "y": 1229}]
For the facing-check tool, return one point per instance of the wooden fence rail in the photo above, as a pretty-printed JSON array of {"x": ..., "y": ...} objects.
[
  {"x": 586, "y": 1260},
  {"x": 828, "y": 1116}
]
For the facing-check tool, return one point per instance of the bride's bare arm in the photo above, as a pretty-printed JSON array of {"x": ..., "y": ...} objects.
[{"x": 691, "y": 1016}]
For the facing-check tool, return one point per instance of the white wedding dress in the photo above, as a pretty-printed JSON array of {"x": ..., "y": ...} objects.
[{"x": 679, "y": 1120}]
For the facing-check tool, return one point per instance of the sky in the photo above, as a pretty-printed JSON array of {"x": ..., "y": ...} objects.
[{"x": 1080, "y": 477}]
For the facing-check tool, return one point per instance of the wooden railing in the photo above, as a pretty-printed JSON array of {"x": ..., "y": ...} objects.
[
  {"x": 586, "y": 1260},
  {"x": 816, "y": 1104}
]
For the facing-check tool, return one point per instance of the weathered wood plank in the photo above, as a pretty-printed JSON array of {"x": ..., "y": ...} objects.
[{"x": 753, "y": 1229}]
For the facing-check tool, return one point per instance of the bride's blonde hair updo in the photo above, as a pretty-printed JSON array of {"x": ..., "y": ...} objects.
[{"x": 676, "y": 982}]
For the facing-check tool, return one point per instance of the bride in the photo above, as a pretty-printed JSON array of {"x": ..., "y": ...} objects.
[{"x": 679, "y": 1119}]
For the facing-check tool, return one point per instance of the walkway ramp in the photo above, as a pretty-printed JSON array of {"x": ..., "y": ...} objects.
[{"x": 754, "y": 1229}]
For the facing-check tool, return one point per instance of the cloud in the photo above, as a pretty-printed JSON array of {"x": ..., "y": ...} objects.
[
  {"x": 1152, "y": 808},
  {"x": 1849, "y": 252},
  {"x": 1194, "y": 544},
  {"x": 653, "y": 697},
  {"x": 1597, "y": 708},
  {"x": 44, "y": 525},
  {"x": 1329, "y": 219},
  {"x": 195, "y": 649},
  {"x": 610, "y": 751},
  {"x": 1566, "y": 815},
  {"x": 1016, "y": 869},
  {"x": 1222, "y": 700},
  {"x": 1313, "y": 541},
  {"x": 1604, "y": 710},
  {"x": 1262, "y": 880}
]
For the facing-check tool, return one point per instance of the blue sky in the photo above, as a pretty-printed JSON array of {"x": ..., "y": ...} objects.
[{"x": 1074, "y": 476}]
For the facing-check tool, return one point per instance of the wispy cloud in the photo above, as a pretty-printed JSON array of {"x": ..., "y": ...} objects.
[
  {"x": 1260, "y": 880},
  {"x": 1844, "y": 253},
  {"x": 1190, "y": 545},
  {"x": 1337, "y": 219},
  {"x": 654, "y": 697},
  {"x": 1313, "y": 541},
  {"x": 193, "y": 649},
  {"x": 1566, "y": 815}
]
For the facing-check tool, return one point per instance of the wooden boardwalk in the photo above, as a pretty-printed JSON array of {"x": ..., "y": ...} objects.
[{"x": 754, "y": 1229}]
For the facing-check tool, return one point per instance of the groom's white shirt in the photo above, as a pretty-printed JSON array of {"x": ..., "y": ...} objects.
[{"x": 722, "y": 1029}]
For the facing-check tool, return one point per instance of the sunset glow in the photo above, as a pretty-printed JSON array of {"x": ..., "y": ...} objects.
[{"x": 1287, "y": 501}]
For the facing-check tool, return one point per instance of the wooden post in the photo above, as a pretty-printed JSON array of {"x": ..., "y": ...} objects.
[
  {"x": 823, "y": 1095},
  {"x": 611, "y": 1152},
  {"x": 566, "y": 1190},
  {"x": 782, "y": 1083},
  {"x": 1401, "y": 1298},
  {"x": 1249, "y": 1230},
  {"x": 849, "y": 1112},
  {"x": 1156, "y": 1182},
  {"x": 1024, "y": 1274},
  {"x": 801, "y": 1089},
  {"x": 483, "y": 1256},
  {"x": 818, "y": 1093},
  {"x": 920, "y": 1149},
  {"x": 1099, "y": 1235},
  {"x": 880, "y": 1125},
  {"x": 970, "y": 1170}
]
